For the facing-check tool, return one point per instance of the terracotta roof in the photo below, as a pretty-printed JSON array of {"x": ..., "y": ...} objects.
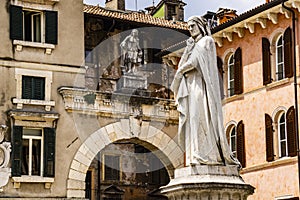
[
  {"x": 247, "y": 15},
  {"x": 133, "y": 16}
]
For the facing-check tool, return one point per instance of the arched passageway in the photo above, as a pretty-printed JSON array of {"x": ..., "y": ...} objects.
[{"x": 153, "y": 139}]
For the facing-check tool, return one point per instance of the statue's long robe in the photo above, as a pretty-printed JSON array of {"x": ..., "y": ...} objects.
[{"x": 199, "y": 103}]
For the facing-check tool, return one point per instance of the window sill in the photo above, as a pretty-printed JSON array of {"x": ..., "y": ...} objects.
[
  {"x": 19, "y": 45},
  {"x": 47, "y": 104},
  {"x": 275, "y": 163},
  {"x": 32, "y": 179}
]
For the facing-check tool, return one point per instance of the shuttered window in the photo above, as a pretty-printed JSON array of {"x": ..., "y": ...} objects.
[
  {"x": 288, "y": 53},
  {"x": 269, "y": 138},
  {"x": 51, "y": 27},
  {"x": 17, "y": 151},
  {"x": 29, "y": 148},
  {"x": 238, "y": 72},
  {"x": 291, "y": 133},
  {"x": 279, "y": 59},
  {"x": 32, "y": 25},
  {"x": 240, "y": 144},
  {"x": 33, "y": 87},
  {"x": 49, "y": 153},
  {"x": 266, "y": 61}
]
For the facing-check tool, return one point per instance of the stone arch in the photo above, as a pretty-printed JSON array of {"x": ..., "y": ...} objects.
[{"x": 170, "y": 154}]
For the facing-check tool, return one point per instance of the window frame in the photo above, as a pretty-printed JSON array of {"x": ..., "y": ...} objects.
[
  {"x": 104, "y": 166},
  {"x": 48, "y": 75},
  {"x": 277, "y": 63},
  {"x": 233, "y": 138},
  {"x": 30, "y": 138},
  {"x": 42, "y": 25},
  {"x": 230, "y": 80},
  {"x": 282, "y": 115}
]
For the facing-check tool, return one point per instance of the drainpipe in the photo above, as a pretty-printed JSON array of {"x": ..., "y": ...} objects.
[{"x": 295, "y": 85}]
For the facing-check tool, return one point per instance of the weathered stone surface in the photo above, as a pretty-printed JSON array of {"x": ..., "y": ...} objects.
[{"x": 207, "y": 182}]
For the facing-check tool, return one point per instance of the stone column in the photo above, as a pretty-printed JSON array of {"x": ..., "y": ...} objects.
[{"x": 207, "y": 182}]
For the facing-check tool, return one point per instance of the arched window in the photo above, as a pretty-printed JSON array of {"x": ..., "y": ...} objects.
[
  {"x": 232, "y": 140},
  {"x": 279, "y": 59},
  {"x": 230, "y": 76},
  {"x": 282, "y": 136},
  {"x": 235, "y": 133}
]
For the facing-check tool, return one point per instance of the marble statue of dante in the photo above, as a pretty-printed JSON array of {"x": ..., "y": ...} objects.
[
  {"x": 197, "y": 94},
  {"x": 131, "y": 52}
]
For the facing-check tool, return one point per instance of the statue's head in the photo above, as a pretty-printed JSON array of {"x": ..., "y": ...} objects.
[
  {"x": 135, "y": 32},
  {"x": 198, "y": 25}
]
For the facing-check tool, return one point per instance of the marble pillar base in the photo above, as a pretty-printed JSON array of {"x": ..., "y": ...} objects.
[{"x": 207, "y": 182}]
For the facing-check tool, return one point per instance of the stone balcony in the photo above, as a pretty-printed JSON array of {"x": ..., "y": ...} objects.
[{"x": 118, "y": 105}]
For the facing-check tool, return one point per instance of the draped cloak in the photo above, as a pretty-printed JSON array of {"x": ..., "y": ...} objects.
[{"x": 198, "y": 100}]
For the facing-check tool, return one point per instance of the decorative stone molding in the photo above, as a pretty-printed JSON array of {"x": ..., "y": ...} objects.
[
  {"x": 32, "y": 179},
  {"x": 20, "y": 44},
  {"x": 5, "y": 148},
  {"x": 34, "y": 119},
  {"x": 119, "y": 105}
]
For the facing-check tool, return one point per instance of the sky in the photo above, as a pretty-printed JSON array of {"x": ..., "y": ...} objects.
[{"x": 193, "y": 7}]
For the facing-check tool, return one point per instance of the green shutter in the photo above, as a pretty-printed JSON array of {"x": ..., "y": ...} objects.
[
  {"x": 238, "y": 72},
  {"x": 26, "y": 87},
  {"x": 288, "y": 53},
  {"x": 51, "y": 27},
  {"x": 266, "y": 61},
  {"x": 269, "y": 138},
  {"x": 17, "y": 151},
  {"x": 38, "y": 86},
  {"x": 33, "y": 87},
  {"x": 16, "y": 23},
  {"x": 49, "y": 152}
]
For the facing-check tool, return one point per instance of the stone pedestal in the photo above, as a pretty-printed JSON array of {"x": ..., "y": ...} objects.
[{"x": 207, "y": 183}]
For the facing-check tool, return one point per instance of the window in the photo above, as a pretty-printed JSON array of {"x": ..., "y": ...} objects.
[
  {"x": 233, "y": 141},
  {"x": 235, "y": 73},
  {"x": 281, "y": 48},
  {"x": 112, "y": 167},
  {"x": 279, "y": 59},
  {"x": 33, "y": 25},
  {"x": 236, "y": 140},
  {"x": 171, "y": 12},
  {"x": 230, "y": 76},
  {"x": 282, "y": 137},
  {"x": 33, "y": 151},
  {"x": 285, "y": 137},
  {"x": 33, "y": 87}
]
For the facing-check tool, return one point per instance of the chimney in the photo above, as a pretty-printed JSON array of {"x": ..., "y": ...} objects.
[
  {"x": 225, "y": 14},
  {"x": 115, "y": 4}
]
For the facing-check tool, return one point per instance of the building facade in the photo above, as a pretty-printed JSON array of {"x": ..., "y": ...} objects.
[{"x": 255, "y": 54}]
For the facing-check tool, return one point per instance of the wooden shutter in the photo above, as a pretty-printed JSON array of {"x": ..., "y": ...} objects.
[
  {"x": 288, "y": 53},
  {"x": 240, "y": 142},
  {"x": 220, "y": 70},
  {"x": 26, "y": 87},
  {"x": 51, "y": 27},
  {"x": 38, "y": 88},
  {"x": 17, "y": 151},
  {"x": 16, "y": 23},
  {"x": 238, "y": 72},
  {"x": 291, "y": 133},
  {"x": 49, "y": 152},
  {"x": 266, "y": 61},
  {"x": 269, "y": 138}
]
